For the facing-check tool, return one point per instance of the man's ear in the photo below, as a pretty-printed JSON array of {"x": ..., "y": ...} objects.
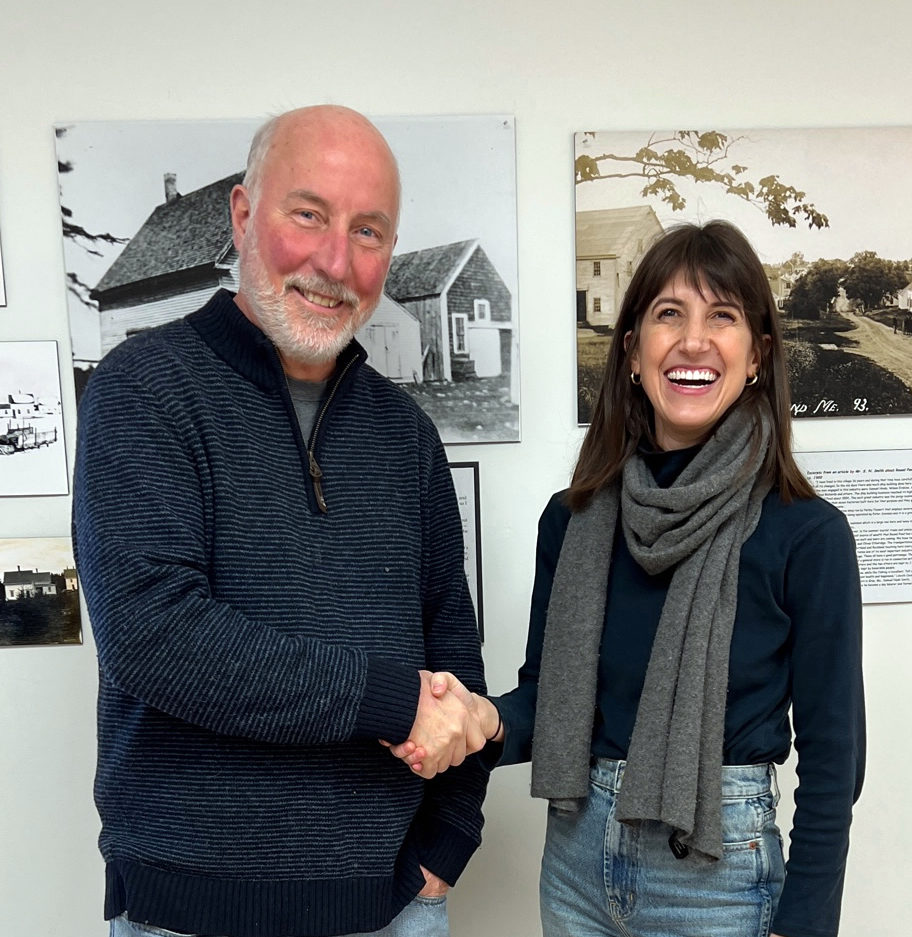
[{"x": 240, "y": 214}]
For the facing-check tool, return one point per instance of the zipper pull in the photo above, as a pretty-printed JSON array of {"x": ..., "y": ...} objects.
[{"x": 316, "y": 473}]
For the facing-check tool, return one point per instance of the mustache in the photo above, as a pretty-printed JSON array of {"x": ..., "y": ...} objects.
[{"x": 314, "y": 283}]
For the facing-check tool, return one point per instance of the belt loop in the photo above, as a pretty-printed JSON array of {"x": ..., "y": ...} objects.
[{"x": 774, "y": 781}]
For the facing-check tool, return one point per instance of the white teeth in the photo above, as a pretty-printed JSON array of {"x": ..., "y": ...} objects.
[{"x": 698, "y": 375}]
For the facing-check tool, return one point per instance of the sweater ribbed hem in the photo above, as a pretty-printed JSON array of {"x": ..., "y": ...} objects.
[
  {"x": 240, "y": 908},
  {"x": 390, "y": 701}
]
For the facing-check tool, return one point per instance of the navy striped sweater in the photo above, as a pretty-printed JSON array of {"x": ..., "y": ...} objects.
[{"x": 252, "y": 648}]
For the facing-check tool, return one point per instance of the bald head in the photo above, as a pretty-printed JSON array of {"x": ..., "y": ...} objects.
[{"x": 308, "y": 126}]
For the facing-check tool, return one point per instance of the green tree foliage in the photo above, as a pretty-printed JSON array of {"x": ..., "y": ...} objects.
[
  {"x": 702, "y": 157},
  {"x": 815, "y": 290},
  {"x": 872, "y": 281}
]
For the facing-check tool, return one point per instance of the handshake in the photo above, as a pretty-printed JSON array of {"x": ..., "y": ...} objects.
[{"x": 451, "y": 722}]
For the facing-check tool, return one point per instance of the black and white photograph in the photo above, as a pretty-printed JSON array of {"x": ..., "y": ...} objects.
[
  {"x": 39, "y": 595},
  {"x": 825, "y": 210},
  {"x": 32, "y": 450},
  {"x": 147, "y": 239}
]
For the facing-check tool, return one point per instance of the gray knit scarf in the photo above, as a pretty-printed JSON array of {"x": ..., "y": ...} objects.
[{"x": 697, "y": 526}]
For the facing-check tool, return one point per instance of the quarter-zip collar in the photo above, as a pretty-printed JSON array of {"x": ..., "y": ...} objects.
[
  {"x": 247, "y": 349},
  {"x": 235, "y": 339}
]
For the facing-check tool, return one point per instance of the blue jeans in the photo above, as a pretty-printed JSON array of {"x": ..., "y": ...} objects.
[
  {"x": 602, "y": 878},
  {"x": 423, "y": 917}
]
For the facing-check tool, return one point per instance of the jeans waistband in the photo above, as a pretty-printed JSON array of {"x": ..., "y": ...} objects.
[{"x": 737, "y": 780}]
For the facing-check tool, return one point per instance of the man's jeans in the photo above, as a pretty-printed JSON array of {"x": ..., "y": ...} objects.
[{"x": 423, "y": 917}]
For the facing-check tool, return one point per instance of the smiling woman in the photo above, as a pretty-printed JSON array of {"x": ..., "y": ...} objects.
[
  {"x": 691, "y": 596},
  {"x": 694, "y": 357}
]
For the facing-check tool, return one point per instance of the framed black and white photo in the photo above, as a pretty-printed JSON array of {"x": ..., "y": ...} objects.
[
  {"x": 147, "y": 238},
  {"x": 32, "y": 451},
  {"x": 39, "y": 594},
  {"x": 465, "y": 480},
  {"x": 825, "y": 210}
]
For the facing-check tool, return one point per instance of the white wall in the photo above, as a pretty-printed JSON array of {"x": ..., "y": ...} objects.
[{"x": 558, "y": 67}]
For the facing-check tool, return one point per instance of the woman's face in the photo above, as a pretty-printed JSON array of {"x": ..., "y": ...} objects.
[{"x": 694, "y": 356}]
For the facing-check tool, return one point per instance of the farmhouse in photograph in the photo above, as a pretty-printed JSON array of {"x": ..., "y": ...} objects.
[
  {"x": 904, "y": 297},
  {"x": 447, "y": 313},
  {"x": 464, "y": 308},
  {"x": 392, "y": 340},
  {"x": 179, "y": 257},
  {"x": 609, "y": 244},
  {"x": 23, "y": 584}
]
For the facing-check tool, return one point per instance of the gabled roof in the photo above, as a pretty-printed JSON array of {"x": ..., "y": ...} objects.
[
  {"x": 612, "y": 232},
  {"x": 193, "y": 230},
  {"x": 426, "y": 272},
  {"x": 17, "y": 577}
]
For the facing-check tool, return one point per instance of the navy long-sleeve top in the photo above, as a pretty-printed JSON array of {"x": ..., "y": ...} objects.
[{"x": 796, "y": 650}]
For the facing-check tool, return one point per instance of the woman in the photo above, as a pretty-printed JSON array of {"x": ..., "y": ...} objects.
[{"x": 694, "y": 589}]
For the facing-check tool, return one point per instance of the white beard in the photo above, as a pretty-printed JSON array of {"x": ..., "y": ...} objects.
[{"x": 298, "y": 333}]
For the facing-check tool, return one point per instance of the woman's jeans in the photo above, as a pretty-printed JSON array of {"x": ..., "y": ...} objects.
[
  {"x": 602, "y": 878},
  {"x": 423, "y": 917}
]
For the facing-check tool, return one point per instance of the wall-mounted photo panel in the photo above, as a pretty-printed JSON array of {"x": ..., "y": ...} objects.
[
  {"x": 873, "y": 488},
  {"x": 147, "y": 238},
  {"x": 32, "y": 451},
  {"x": 825, "y": 210},
  {"x": 465, "y": 480},
  {"x": 2, "y": 280},
  {"x": 39, "y": 595}
]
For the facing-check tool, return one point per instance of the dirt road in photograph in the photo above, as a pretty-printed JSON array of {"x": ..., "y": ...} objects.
[{"x": 877, "y": 342}]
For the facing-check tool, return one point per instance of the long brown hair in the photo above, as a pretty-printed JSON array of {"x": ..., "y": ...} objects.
[{"x": 715, "y": 257}]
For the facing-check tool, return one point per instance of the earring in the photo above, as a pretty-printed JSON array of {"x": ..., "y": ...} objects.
[
  {"x": 752, "y": 380},
  {"x": 635, "y": 379}
]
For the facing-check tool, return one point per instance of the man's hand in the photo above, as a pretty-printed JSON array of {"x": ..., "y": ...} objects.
[{"x": 434, "y": 887}]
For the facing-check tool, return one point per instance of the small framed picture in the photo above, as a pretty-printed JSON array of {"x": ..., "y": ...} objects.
[
  {"x": 39, "y": 597},
  {"x": 465, "y": 479},
  {"x": 32, "y": 454}
]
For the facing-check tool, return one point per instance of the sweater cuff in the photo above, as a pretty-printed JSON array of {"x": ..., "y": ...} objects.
[
  {"x": 444, "y": 850},
  {"x": 389, "y": 703}
]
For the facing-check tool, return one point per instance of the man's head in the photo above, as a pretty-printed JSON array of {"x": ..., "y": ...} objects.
[{"x": 315, "y": 225}]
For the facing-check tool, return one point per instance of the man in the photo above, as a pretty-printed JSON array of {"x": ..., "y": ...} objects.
[{"x": 271, "y": 554}]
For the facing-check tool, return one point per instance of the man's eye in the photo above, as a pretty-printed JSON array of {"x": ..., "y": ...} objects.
[{"x": 367, "y": 232}]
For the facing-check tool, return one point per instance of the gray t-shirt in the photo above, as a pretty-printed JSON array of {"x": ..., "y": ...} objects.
[{"x": 306, "y": 397}]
